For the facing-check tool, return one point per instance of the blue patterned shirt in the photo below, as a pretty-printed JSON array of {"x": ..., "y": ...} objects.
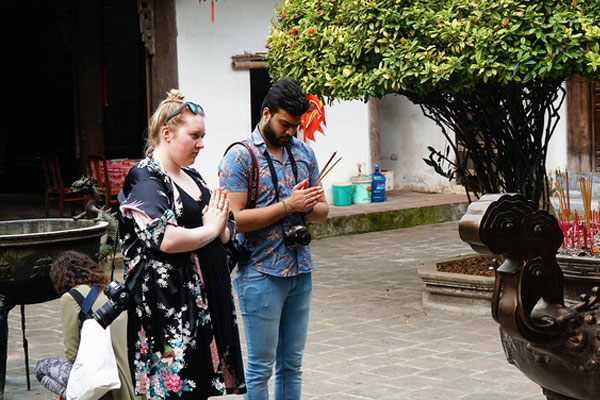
[{"x": 268, "y": 253}]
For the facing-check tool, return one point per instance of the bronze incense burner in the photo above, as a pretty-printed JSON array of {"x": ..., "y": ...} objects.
[{"x": 556, "y": 345}]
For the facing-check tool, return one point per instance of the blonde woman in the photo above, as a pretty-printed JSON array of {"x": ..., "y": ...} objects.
[{"x": 183, "y": 336}]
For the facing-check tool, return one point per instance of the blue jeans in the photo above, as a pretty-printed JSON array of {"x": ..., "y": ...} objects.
[{"x": 275, "y": 312}]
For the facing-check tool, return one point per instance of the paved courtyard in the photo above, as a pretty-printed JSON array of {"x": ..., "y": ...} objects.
[{"x": 370, "y": 337}]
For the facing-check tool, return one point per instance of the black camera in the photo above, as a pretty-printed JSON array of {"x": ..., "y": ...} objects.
[
  {"x": 118, "y": 298},
  {"x": 236, "y": 252},
  {"x": 297, "y": 235}
]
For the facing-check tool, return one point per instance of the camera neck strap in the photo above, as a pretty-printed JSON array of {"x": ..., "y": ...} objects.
[
  {"x": 254, "y": 180},
  {"x": 115, "y": 245},
  {"x": 86, "y": 303},
  {"x": 274, "y": 177},
  {"x": 273, "y": 172}
]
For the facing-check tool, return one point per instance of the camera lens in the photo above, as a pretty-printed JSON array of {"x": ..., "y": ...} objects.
[
  {"x": 303, "y": 237},
  {"x": 106, "y": 314},
  {"x": 118, "y": 298}
]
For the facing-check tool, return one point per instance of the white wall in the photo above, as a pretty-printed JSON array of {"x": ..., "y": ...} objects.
[
  {"x": 206, "y": 77},
  {"x": 557, "y": 148},
  {"x": 205, "y": 74},
  {"x": 405, "y": 134},
  {"x": 346, "y": 133}
]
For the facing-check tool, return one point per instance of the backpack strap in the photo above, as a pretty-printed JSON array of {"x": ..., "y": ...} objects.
[
  {"x": 85, "y": 303},
  {"x": 254, "y": 175}
]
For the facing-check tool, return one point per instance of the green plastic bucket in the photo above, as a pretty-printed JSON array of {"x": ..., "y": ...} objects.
[{"x": 342, "y": 194}]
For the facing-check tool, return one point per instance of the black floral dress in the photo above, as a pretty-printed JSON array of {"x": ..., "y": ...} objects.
[{"x": 183, "y": 337}]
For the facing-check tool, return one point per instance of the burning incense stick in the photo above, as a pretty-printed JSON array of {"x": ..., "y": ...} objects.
[
  {"x": 326, "y": 172},
  {"x": 563, "y": 211},
  {"x": 568, "y": 198},
  {"x": 319, "y": 177},
  {"x": 586, "y": 196}
]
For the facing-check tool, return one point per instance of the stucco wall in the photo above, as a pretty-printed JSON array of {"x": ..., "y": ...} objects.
[
  {"x": 206, "y": 76},
  {"x": 405, "y": 135},
  {"x": 557, "y": 148}
]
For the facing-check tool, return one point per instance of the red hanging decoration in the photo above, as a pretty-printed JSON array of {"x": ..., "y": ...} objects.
[
  {"x": 313, "y": 119},
  {"x": 212, "y": 9}
]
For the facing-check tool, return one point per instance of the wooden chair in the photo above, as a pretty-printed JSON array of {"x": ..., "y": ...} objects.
[
  {"x": 96, "y": 167},
  {"x": 55, "y": 187}
]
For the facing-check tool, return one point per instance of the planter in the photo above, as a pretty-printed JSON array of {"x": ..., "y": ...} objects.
[
  {"x": 581, "y": 274},
  {"x": 455, "y": 292}
]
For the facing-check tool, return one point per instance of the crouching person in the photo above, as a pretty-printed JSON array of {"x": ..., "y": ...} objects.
[{"x": 75, "y": 270}]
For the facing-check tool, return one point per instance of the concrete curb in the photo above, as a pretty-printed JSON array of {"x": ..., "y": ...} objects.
[{"x": 388, "y": 220}]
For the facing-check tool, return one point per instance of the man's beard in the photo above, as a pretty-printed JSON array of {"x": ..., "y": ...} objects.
[{"x": 270, "y": 134}]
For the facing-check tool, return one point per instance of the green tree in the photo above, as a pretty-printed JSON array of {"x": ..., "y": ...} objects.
[{"x": 489, "y": 72}]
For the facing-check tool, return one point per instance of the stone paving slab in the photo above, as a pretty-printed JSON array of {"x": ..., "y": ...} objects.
[{"x": 369, "y": 336}]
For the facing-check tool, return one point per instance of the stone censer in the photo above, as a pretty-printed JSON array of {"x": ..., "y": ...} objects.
[{"x": 554, "y": 344}]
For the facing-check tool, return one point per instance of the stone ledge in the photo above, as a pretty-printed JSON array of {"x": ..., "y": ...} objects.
[
  {"x": 453, "y": 292},
  {"x": 388, "y": 220}
]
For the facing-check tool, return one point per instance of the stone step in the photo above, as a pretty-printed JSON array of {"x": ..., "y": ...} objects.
[{"x": 401, "y": 210}]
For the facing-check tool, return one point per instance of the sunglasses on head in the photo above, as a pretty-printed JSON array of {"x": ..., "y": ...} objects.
[{"x": 193, "y": 107}]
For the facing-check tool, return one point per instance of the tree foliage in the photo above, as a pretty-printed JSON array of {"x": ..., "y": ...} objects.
[
  {"x": 488, "y": 72},
  {"x": 350, "y": 49}
]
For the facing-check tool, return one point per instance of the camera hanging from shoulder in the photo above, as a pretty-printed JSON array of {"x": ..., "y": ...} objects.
[{"x": 94, "y": 371}]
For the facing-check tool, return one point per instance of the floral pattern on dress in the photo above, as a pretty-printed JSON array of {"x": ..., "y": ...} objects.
[
  {"x": 158, "y": 376},
  {"x": 170, "y": 308}
]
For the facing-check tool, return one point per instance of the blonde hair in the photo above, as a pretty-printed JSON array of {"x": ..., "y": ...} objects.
[{"x": 166, "y": 107}]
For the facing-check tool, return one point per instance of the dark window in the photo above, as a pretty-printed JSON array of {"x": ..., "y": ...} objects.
[{"x": 260, "y": 83}]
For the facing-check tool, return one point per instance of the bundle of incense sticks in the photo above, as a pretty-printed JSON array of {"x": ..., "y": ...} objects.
[
  {"x": 579, "y": 232},
  {"x": 563, "y": 199},
  {"x": 325, "y": 171}
]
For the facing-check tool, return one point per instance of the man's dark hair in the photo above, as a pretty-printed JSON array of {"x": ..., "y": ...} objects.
[{"x": 286, "y": 94}]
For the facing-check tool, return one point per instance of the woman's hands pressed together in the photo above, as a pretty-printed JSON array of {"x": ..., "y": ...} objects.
[{"x": 215, "y": 215}]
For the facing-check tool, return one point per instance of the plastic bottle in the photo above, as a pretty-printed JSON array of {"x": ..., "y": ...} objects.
[{"x": 377, "y": 186}]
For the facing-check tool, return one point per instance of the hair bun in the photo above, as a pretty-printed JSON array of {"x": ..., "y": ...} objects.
[{"x": 174, "y": 95}]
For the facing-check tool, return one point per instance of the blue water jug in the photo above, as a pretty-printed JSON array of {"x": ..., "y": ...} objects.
[{"x": 377, "y": 186}]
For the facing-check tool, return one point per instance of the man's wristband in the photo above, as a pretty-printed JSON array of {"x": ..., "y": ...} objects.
[{"x": 287, "y": 210}]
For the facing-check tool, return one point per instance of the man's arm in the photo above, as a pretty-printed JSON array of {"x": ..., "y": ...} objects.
[
  {"x": 303, "y": 199},
  {"x": 247, "y": 220},
  {"x": 320, "y": 211}
]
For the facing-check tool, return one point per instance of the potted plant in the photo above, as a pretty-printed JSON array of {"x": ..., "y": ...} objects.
[{"x": 462, "y": 284}]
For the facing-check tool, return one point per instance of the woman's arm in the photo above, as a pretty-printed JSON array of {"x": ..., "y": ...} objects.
[
  {"x": 178, "y": 239},
  {"x": 69, "y": 311}
]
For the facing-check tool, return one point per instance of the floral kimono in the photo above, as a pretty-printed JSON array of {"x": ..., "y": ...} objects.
[{"x": 183, "y": 337}]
